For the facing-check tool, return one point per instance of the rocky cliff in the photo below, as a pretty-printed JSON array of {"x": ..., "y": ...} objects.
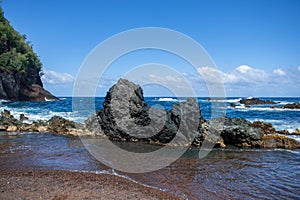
[
  {"x": 19, "y": 67},
  {"x": 22, "y": 87}
]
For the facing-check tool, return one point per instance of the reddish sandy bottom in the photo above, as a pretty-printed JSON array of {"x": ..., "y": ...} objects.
[{"x": 42, "y": 184}]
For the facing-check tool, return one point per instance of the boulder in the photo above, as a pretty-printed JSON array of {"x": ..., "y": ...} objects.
[
  {"x": 240, "y": 132},
  {"x": 125, "y": 116},
  {"x": 60, "y": 125}
]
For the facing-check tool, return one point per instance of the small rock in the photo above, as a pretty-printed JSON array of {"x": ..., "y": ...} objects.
[
  {"x": 6, "y": 114},
  {"x": 233, "y": 105},
  {"x": 23, "y": 117}
]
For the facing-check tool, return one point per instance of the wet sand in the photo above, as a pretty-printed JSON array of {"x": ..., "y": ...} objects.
[{"x": 55, "y": 184}]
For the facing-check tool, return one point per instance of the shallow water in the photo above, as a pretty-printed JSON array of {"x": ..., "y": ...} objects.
[{"x": 225, "y": 174}]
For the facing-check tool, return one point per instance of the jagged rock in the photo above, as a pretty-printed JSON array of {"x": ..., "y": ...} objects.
[
  {"x": 60, "y": 125},
  {"x": 6, "y": 114},
  {"x": 240, "y": 132},
  {"x": 23, "y": 117},
  {"x": 7, "y": 120},
  {"x": 267, "y": 128},
  {"x": 279, "y": 141},
  {"x": 126, "y": 116},
  {"x": 256, "y": 101}
]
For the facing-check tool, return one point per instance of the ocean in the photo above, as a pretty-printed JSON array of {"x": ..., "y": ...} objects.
[{"x": 222, "y": 174}]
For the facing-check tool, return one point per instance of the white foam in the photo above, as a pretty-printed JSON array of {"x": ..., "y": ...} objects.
[
  {"x": 113, "y": 172},
  {"x": 167, "y": 99},
  {"x": 226, "y": 100}
]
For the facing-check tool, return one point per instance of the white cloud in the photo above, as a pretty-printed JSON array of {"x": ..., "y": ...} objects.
[
  {"x": 248, "y": 74},
  {"x": 279, "y": 72},
  {"x": 241, "y": 74},
  {"x": 55, "y": 78},
  {"x": 245, "y": 80},
  {"x": 243, "y": 69}
]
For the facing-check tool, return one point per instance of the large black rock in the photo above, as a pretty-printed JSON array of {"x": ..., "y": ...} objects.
[{"x": 126, "y": 116}]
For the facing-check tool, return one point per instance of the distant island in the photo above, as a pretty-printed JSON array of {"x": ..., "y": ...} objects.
[{"x": 20, "y": 67}]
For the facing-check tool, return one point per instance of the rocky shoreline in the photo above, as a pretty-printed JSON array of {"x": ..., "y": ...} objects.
[{"x": 232, "y": 132}]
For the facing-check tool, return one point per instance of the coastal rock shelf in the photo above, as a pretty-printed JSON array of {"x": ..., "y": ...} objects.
[{"x": 125, "y": 116}]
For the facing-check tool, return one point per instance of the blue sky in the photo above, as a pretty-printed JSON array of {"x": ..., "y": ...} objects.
[{"x": 255, "y": 44}]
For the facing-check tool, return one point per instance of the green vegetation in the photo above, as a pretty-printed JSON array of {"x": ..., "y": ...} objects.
[{"x": 16, "y": 54}]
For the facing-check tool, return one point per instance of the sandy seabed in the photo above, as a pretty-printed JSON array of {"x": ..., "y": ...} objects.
[{"x": 55, "y": 184}]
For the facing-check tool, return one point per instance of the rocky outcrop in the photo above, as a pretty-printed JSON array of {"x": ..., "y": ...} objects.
[
  {"x": 127, "y": 117},
  {"x": 16, "y": 86},
  {"x": 256, "y": 101},
  {"x": 240, "y": 132},
  {"x": 295, "y": 105}
]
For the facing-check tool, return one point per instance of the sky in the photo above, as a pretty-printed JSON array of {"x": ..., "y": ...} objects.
[{"x": 254, "y": 44}]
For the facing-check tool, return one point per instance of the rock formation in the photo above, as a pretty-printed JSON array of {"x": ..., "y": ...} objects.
[
  {"x": 256, "y": 101},
  {"x": 126, "y": 116}
]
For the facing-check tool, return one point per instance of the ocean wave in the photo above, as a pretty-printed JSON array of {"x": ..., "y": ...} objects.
[
  {"x": 35, "y": 114},
  {"x": 226, "y": 100},
  {"x": 167, "y": 99}
]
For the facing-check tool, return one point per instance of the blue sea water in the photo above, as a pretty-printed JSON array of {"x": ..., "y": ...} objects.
[
  {"x": 281, "y": 118},
  {"x": 223, "y": 174}
]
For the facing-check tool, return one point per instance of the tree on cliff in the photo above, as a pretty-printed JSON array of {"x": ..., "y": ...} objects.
[
  {"x": 16, "y": 53},
  {"x": 19, "y": 67}
]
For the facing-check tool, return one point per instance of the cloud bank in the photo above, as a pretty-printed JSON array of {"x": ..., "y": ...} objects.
[{"x": 244, "y": 80}]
